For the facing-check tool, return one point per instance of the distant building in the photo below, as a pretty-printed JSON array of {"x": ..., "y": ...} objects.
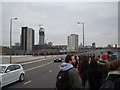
[
  {"x": 115, "y": 45},
  {"x": 62, "y": 47},
  {"x": 72, "y": 43},
  {"x": 93, "y": 45},
  {"x": 41, "y": 36},
  {"x": 109, "y": 46},
  {"x": 17, "y": 46},
  {"x": 3, "y": 48},
  {"x": 88, "y": 46},
  {"x": 81, "y": 46},
  {"x": 50, "y": 43},
  {"x": 27, "y": 39}
]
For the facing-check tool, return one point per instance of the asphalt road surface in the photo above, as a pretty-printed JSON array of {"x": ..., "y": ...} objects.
[{"x": 39, "y": 74}]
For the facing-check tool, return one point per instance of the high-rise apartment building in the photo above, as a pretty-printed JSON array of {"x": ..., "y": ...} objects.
[
  {"x": 27, "y": 39},
  {"x": 72, "y": 43},
  {"x": 93, "y": 45},
  {"x": 41, "y": 36}
]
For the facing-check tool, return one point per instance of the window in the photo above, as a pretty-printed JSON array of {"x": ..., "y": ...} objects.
[
  {"x": 2, "y": 69},
  {"x": 17, "y": 67},
  {"x": 11, "y": 68}
]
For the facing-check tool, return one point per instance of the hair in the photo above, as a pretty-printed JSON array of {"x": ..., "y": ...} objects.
[
  {"x": 75, "y": 57},
  {"x": 84, "y": 64},
  {"x": 93, "y": 64},
  {"x": 98, "y": 56},
  {"x": 113, "y": 65},
  {"x": 109, "y": 52},
  {"x": 68, "y": 58},
  {"x": 85, "y": 58}
]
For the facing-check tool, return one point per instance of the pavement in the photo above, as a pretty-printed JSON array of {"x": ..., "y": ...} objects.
[{"x": 22, "y": 59}]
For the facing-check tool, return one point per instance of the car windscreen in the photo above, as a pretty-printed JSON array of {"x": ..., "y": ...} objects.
[
  {"x": 57, "y": 57},
  {"x": 2, "y": 69}
]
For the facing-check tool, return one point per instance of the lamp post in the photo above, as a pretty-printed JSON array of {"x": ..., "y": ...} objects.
[
  {"x": 11, "y": 38},
  {"x": 83, "y": 35}
]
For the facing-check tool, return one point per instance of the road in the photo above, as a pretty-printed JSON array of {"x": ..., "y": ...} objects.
[{"x": 39, "y": 74}]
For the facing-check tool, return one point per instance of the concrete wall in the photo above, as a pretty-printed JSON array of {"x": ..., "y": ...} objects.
[{"x": 18, "y": 59}]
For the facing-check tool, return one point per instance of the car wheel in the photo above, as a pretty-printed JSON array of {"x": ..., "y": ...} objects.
[{"x": 22, "y": 77}]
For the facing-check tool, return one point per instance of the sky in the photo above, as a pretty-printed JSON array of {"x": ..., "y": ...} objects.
[{"x": 59, "y": 20}]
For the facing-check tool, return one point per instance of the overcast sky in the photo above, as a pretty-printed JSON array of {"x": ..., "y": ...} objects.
[{"x": 60, "y": 20}]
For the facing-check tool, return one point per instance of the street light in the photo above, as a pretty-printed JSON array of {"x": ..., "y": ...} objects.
[
  {"x": 11, "y": 38},
  {"x": 83, "y": 36}
]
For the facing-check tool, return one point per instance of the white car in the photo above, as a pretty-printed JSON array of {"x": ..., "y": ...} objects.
[{"x": 10, "y": 73}]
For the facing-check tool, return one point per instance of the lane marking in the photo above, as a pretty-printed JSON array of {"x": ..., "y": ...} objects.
[
  {"x": 27, "y": 82},
  {"x": 38, "y": 66},
  {"x": 50, "y": 70}
]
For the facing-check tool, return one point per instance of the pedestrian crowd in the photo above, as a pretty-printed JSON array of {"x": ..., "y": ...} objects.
[{"x": 93, "y": 72}]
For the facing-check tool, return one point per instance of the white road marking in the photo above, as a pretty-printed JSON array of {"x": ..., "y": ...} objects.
[
  {"x": 38, "y": 66},
  {"x": 50, "y": 70},
  {"x": 27, "y": 82}
]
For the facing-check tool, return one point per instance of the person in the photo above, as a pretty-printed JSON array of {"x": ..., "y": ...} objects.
[
  {"x": 76, "y": 61},
  {"x": 104, "y": 57},
  {"x": 93, "y": 56},
  {"x": 103, "y": 65},
  {"x": 79, "y": 64},
  {"x": 113, "y": 79},
  {"x": 109, "y": 53},
  {"x": 94, "y": 75},
  {"x": 74, "y": 81},
  {"x": 111, "y": 56},
  {"x": 83, "y": 69},
  {"x": 96, "y": 58}
]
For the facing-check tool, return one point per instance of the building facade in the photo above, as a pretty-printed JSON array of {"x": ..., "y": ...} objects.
[
  {"x": 41, "y": 36},
  {"x": 27, "y": 39},
  {"x": 72, "y": 43},
  {"x": 93, "y": 45}
]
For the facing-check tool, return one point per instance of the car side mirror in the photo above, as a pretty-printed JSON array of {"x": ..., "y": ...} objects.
[{"x": 7, "y": 71}]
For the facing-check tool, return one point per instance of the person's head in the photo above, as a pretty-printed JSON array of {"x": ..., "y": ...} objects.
[
  {"x": 70, "y": 59},
  {"x": 93, "y": 54},
  {"x": 104, "y": 57},
  {"x": 93, "y": 64},
  {"x": 85, "y": 59},
  {"x": 109, "y": 52},
  {"x": 75, "y": 57},
  {"x": 96, "y": 58},
  {"x": 114, "y": 65},
  {"x": 101, "y": 52}
]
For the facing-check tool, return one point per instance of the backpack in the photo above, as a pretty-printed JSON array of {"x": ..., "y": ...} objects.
[{"x": 62, "y": 80}]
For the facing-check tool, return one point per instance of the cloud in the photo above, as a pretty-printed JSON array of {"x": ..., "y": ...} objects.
[{"x": 60, "y": 20}]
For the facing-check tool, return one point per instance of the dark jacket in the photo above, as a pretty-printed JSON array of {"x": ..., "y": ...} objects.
[
  {"x": 74, "y": 79},
  {"x": 95, "y": 76},
  {"x": 115, "y": 77},
  {"x": 83, "y": 71}
]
